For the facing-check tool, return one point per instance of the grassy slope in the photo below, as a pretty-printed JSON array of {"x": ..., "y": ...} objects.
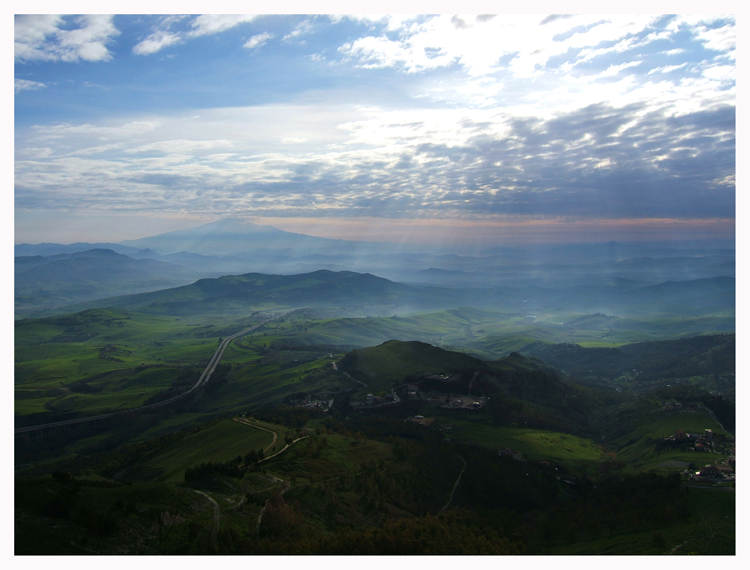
[
  {"x": 123, "y": 358},
  {"x": 389, "y": 364},
  {"x": 231, "y": 293},
  {"x": 218, "y": 443},
  {"x": 538, "y": 445},
  {"x": 636, "y": 449}
]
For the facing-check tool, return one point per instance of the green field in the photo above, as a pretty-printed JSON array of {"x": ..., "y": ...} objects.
[
  {"x": 637, "y": 448},
  {"x": 103, "y": 359},
  {"x": 337, "y": 456},
  {"x": 534, "y": 444},
  {"x": 218, "y": 443}
]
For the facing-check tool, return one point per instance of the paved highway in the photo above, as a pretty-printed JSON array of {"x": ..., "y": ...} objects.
[{"x": 205, "y": 377}]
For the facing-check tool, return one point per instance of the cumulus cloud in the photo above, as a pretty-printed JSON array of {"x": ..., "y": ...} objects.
[
  {"x": 63, "y": 38},
  {"x": 666, "y": 68},
  {"x": 164, "y": 35},
  {"x": 215, "y": 23},
  {"x": 258, "y": 40},
  {"x": 479, "y": 44},
  {"x": 155, "y": 42},
  {"x": 554, "y": 18},
  {"x": 304, "y": 27},
  {"x": 591, "y": 162},
  {"x": 26, "y": 84},
  {"x": 579, "y": 116},
  {"x": 613, "y": 70},
  {"x": 718, "y": 39}
]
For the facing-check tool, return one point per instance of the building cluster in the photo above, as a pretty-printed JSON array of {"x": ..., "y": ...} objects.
[
  {"x": 372, "y": 400},
  {"x": 675, "y": 405},
  {"x": 421, "y": 420},
  {"x": 454, "y": 401},
  {"x": 510, "y": 452},
  {"x": 713, "y": 473},
  {"x": 316, "y": 401},
  {"x": 696, "y": 441}
]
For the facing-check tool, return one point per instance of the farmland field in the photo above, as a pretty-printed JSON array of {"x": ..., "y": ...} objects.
[
  {"x": 218, "y": 443},
  {"x": 534, "y": 444}
]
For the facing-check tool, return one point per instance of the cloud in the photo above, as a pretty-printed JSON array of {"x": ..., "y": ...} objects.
[
  {"x": 258, "y": 40},
  {"x": 27, "y": 85},
  {"x": 479, "y": 45},
  {"x": 180, "y": 146},
  {"x": 499, "y": 117},
  {"x": 63, "y": 38},
  {"x": 667, "y": 68},
  {"x": 215, "y": 23},
  {"x": 304, "y": 27},
  {"x": 613, "y": 70},
  {"x": 718, "y": 39},
  {"x": 206, "y": 24},
  {"x": 459, "y": 23},
  {"x": 155, "y": 42},
  {"x": 597, "y": 161},
  {"x": 554, "y": 18}
]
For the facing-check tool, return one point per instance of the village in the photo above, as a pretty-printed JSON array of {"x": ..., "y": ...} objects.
[{"x": 707, "y": 442}]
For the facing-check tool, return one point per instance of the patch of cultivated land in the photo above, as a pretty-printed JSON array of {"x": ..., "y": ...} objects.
[
  {"x": 218, "y": 443},
  {"x": 533, "y": 444},
  {"x": 104, "y": 359},
  {"x": 637, "y": 448}
]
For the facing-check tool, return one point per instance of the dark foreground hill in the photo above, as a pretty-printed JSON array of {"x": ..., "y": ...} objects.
[{"x": 519, "y": 389}]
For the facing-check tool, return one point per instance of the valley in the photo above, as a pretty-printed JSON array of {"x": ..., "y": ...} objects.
[
  {"x": 332, "y": 412},
  {"x": 412, "y": 284}
]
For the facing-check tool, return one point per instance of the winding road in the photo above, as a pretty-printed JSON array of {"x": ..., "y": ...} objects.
[{"x": 247, "y": 423}]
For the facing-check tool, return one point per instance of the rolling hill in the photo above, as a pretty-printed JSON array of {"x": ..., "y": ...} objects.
[
  {"x": 46, "y": 282},
  {"x": 362, "y": 293}
]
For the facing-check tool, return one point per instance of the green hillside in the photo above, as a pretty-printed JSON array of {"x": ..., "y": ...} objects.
[
  {"x": 391, "y": 363},
  {"x": 231, "y": 293}
]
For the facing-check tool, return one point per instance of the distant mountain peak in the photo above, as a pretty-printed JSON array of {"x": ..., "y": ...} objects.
[{"x": 96, "y": 252}]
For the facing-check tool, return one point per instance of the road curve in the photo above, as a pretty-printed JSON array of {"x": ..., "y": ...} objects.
[
  {"x": 248, "y": 423},
  {"x": 217, "y": 514},
  {"x": 204, "y": 378}
]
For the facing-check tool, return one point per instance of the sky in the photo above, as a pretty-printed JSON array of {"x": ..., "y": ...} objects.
[{"x": 499, "y": 128}]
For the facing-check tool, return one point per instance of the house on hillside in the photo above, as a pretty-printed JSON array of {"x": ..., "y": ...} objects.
[{"x": 511, "y": 452}]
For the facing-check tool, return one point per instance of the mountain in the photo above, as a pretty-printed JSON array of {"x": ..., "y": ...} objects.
[
  {"x": 46, "y": 249},
  {"x": 519, "y": 386},
  {"x": 235, "y": 237},
  {"x": 614, "y": 278},
  {"x": 359, "y": 293},
  {"x": 47, "y": 282},
  {"x": 707, "y": 360}
]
